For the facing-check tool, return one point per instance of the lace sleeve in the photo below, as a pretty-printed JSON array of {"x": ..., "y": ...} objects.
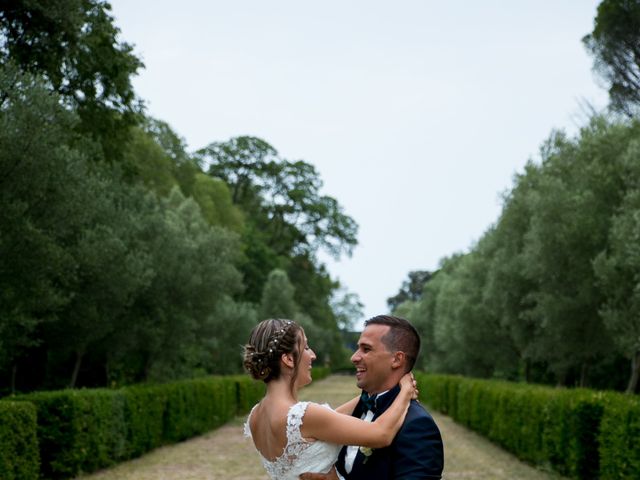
[{"x": 294, "y": 422}]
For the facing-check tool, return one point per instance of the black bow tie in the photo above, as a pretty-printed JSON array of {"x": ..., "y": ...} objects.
[{"x": 369, "y": 401}]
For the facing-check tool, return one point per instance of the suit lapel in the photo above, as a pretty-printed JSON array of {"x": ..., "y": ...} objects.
[{"x": 381, "y": 406}]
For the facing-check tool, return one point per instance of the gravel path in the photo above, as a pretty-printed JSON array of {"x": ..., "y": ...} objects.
[{"x": 225, "y": 454}]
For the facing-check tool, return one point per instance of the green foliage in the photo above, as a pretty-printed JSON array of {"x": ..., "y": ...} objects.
[
  {"x": 282, "y": 197},
  {"x": 96, "y": 271},
  {"x": 230, "y": 325},
  {"x": 547, "y": 294},
  {"x": 411, "y": 289},
  {"x": 318, "y": 373},
  {"x": 249, "y": 391},
  {"x": 347, "y": 308},
  {"x": 277, "y": 297},
  {"x": 214, "y": 198},
  {"x": 43, "y": 196},
  {"x": 195, "y": 406},
  {"x": 144, "y": 410},
  {"x": 617, "y": 268},
  {"x": 579, "y": 433},
  {"x": 149, "y": 163},
  {"x": 143, "y": 267},
  {"x": 74, "y": 45},
  {"x": 80, "y": 431},
  {"x": 19, "y": 456},
  {"x": 618, "y": 438},
  {"x": 615, "y": 46}
]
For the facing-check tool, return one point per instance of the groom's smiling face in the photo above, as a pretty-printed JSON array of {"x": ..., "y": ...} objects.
[{"x": 374, "y": 372}]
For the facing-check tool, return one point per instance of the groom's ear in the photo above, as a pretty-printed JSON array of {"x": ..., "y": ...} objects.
[{"x": 399, "y": 359}]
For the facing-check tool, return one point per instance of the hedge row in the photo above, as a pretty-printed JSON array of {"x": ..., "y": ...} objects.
[
  {"x": 19, "y": 458},
  {"x": 580, "y": 433},
  {"x": 318, "y": 373},
  {"x": 80, "y": 431}
]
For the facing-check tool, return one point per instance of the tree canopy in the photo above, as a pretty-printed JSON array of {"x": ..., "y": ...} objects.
[
  {"x": 615, "y": 46},
  {"x": 548, "y": 294},
  {"x": 123, "y": 256}
]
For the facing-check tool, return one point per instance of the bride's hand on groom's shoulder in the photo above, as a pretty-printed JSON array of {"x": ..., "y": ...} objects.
[
  {"x": 409, "y": 383},
  {"x": 332, "y": 475}
]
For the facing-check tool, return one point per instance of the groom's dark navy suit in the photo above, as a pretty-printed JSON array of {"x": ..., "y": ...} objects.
[{"x": 416, "y": 451}]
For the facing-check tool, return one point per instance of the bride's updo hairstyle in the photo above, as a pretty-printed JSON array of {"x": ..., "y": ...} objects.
[{"x": 269, "y": 340}]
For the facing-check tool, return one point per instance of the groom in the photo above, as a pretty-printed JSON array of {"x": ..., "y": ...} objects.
[{"x": 387, "y": 349}]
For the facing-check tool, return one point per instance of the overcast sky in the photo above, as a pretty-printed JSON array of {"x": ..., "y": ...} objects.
[{"x": 416, "y": 113}]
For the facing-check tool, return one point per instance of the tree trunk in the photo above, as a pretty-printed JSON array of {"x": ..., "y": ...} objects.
[
  {"x": 14, "y": 374},
  {"x": 76, "y": 368},
  {"x": 635, "y": 373},
  {"x": 584, "y": 370},
  {"x": 527, "y": 370}
]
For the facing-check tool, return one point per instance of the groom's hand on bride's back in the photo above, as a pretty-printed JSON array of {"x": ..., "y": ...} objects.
[{"x": 332, "y": 475}]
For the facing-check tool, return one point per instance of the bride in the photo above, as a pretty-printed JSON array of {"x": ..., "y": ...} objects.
[{"x": 295, "y": 437}]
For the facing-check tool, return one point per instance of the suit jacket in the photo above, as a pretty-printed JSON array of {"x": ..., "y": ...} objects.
[{"x": 415, "y": 453}]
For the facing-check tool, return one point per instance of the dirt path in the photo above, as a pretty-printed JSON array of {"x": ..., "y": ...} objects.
[{"x": 225, "y": 454}]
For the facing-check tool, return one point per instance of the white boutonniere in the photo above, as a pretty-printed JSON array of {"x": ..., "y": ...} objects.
[{"x": 366, "y": 451}]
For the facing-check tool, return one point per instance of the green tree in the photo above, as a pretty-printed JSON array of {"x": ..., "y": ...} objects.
[
  {"x": 282, "y": 197},
  {"x": 411, "y": 289},
  {"x": 615, "y": 46},
  {"x": 572, "y": 207},
  {"x": 42, "y": 180},
  {"x": 618, "y": 268},
  {"x": 277, "y": 297},
  {"x": 214, "y": 199},
  {"x": 347, "y": 309},
  {"x": 508, "y": 289},
  {"x": 110, "y": 269},
  {"x": 229, "y": 326},
  {"x": 425, "y": 316},
  {"x": 148, "y": 163},
  {"x": 74, "y": 45},
  {"x": 167, "y": 331}
]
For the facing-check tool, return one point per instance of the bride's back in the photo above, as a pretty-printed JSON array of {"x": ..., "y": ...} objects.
[{"x": 268, "y": 423}]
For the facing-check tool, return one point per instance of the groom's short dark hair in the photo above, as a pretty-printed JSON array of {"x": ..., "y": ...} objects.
[{"x": 402, "y": 336}]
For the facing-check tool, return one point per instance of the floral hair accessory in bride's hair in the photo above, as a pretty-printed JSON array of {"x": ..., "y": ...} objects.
[
  {"x": 269, "y": 340},
  {"x": 276, "y": 337}
]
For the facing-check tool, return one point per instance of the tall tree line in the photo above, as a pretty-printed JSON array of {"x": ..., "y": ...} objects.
[
  {"x": 123, "y": 256},
  {"x": 551, "y": 292}
]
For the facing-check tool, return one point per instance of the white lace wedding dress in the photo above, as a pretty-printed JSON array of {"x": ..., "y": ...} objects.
[{"x": 299, "y": 455}]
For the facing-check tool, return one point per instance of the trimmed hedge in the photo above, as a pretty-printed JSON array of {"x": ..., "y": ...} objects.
[
  {"x": 620, "y": 438},
  {"x": 80, "y": 431},
  {"x": 580, "y": 433},
  {"x": 64, "y": 433},
  {"x": 249, "y": 392},
  {"x": 318, "y": 373},
  {"x": 19, "y": 457}
]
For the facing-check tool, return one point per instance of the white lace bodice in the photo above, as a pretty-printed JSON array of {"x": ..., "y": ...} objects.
[{"x": 299, "y": 455}]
